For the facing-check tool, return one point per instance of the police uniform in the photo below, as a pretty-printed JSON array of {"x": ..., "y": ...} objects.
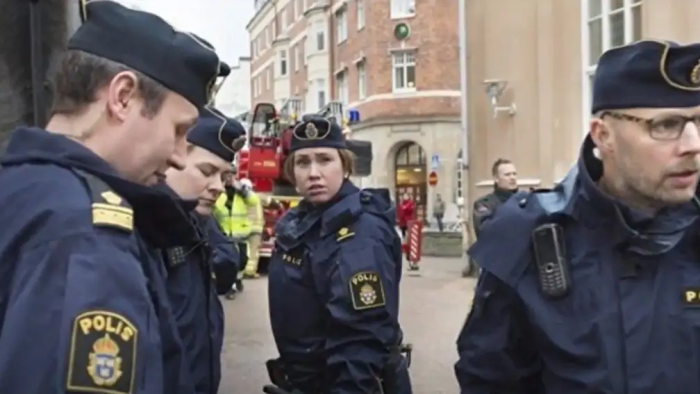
[
  {"x": 625, "y": 319},
  {"x": 334, "y": 289},
  {"x": 485, "y": 206},
  {"x": 77, "y": 309},
  {"x": 193, "y": 267}
]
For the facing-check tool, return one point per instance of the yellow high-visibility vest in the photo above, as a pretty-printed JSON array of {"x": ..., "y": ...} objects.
[{"x": 244, "y": 217}]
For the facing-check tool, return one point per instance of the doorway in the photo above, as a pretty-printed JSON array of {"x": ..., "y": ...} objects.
[{"x": 411, "y": 176}]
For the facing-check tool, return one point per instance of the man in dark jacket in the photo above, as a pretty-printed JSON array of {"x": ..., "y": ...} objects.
[{"x": 505, "y": 184}]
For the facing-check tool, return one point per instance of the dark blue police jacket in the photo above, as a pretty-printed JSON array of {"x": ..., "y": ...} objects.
[
  {"x": 75, "y": 284},
  {"x": 334, "y": 295},
  {"x": 631, "y": 321},
  {"x": 191, "y": 286}
]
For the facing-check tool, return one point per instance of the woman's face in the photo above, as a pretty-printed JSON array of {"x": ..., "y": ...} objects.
[{"x": 318, "y": 173}]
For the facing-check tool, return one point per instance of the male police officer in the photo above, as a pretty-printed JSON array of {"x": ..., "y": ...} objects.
[
  {"x": 505, "y": 184},
  {"x": 194, "y": 267},
  {"x": 77, "y": 311},
  {"x": 607, "y": 300}
]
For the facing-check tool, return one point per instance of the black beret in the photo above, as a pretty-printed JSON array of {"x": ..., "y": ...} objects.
[
  {"x": 216, "y": 133},
  {"x": 647, "y": 74},
  {"x": 317, "y": 132},
  {"x": 148, "y": 44},
  {"x": 224, "y": 69}
]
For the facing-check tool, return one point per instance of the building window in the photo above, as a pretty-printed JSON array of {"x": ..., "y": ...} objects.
[
  {"x": 342, "y": 85},
  {"x": 360, "y": 14},
  {"x": 404, "y": 75},
  {"x": 361, "y": 81},
  {"x": 268, "y": 78},
  {"x": 283, "y": 19},
  {"x": 341, "y": 25},
  {"x": 320, "y": 36},
  {"x": 321, "y": 93},
  {"x": 267, "y": 38},
  {"x": 403, "y": 8},
  {"x": 283, "y": 62},
  {"x": 607, "y": 24},
  {"x": 300, "y": 58},
  {"x": 295, "y": 10}
]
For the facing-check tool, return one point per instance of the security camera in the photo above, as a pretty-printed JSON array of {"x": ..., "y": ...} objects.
[{"x": 495, "y": 88}]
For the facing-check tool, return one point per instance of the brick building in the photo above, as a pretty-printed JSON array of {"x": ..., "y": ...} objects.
[{"x": 395, "y": 61}]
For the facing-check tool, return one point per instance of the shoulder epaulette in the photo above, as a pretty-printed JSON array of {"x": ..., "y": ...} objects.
[{"x": 108, "y": 208}]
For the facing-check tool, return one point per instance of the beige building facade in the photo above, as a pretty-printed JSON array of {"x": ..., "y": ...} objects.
[
  {"x": 529, "y": 70},
  {"x": 546, "y": 51}
]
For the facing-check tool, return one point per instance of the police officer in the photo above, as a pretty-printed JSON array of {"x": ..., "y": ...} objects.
[
  {"x": 607, "y": 300},
  {"x": 505, "y": 184},
  {"x": 193, "y": 267},
  {"x": 334, "y": 277},
  {"x": 77, "y": 310}
]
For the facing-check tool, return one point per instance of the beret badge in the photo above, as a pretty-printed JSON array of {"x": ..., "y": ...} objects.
[
  {"x": 311, "y": 131},
  {"x": 695, "y": 74}
]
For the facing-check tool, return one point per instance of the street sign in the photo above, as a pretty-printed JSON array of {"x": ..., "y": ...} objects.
[
  {"x": 433, "y": 179},
  {"x": 435, "y": 162}
]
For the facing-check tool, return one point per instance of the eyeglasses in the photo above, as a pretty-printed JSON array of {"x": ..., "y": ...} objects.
[{"x": 663, "y": 128}]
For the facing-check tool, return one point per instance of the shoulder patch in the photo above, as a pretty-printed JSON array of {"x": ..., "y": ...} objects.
[
  {"x": 344, "y": 233},
  {"x": 102, "y": 354},
  {"x": 367, "y": 290},
  {"x": 108, "y": 215}
]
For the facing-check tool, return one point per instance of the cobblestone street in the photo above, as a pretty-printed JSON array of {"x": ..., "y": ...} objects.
[{"x": 434, "y": 305}]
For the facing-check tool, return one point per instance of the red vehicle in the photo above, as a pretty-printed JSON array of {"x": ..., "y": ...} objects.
[{"x": 262, "y": 160}]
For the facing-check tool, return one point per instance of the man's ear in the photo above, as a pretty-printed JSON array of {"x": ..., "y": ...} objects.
[{"x": 601, "y": 135}]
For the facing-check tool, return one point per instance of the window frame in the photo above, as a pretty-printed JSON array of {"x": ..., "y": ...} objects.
[
  {"x": 343, "y": 87},
  {"x": 405, "y": 65},
  {"x": 341, "y": 25},
  {"x": 589, "y": 67},
  {"x": 361, "y": 81},
  {"x": 321, "y": 94},
  {"x": 284, "y": 65},
  {"x": 402, "y": 9},
  {"x": 320, "y": 34},
  {"x": 360, "y": 10}
]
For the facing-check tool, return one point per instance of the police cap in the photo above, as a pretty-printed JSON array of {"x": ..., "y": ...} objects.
[
  {"x": 216, "y": 133},
  {"x": 146, "y": 43},
  {"x": 317, "y": 132},
  {"x": 648, "y": 74}
]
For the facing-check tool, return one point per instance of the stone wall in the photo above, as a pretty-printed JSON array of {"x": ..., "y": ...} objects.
[{"x": 442, "y": 244}]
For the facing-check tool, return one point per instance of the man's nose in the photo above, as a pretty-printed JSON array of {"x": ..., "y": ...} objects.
[
  {"x": 178, "y": 159},
  {"x": 690, "y": 140}
]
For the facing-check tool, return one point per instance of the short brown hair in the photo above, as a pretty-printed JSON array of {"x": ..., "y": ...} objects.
[
  {"x": 497, "y": 164},
  {"x": 79, "y": 75},
  {"x": 347, "y": 159}
]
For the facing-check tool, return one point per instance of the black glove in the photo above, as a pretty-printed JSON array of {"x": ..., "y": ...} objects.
[{"x": 270, "y": 389}]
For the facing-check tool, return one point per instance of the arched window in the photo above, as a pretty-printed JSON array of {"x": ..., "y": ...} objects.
[{"x": 410, "y": 154}]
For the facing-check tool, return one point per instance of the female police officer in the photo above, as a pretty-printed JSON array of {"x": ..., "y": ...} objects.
[
  {"x": 191, "y": 266},
  {"x": 334, "y": 277}
]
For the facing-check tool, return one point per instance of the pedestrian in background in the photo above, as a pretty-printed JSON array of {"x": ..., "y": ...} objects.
[{"x": 439, "y": 211}]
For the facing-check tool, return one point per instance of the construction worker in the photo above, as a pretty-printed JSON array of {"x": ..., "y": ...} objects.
[
  {"x": 256, "y": 220},
  {"x": 239, "y": 213}
]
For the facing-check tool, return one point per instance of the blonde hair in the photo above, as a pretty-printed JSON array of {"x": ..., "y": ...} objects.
[{"x": 347, "y": 159}]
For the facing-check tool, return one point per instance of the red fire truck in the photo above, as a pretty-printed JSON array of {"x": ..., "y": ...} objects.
[{"x": 261, "y": 160}]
